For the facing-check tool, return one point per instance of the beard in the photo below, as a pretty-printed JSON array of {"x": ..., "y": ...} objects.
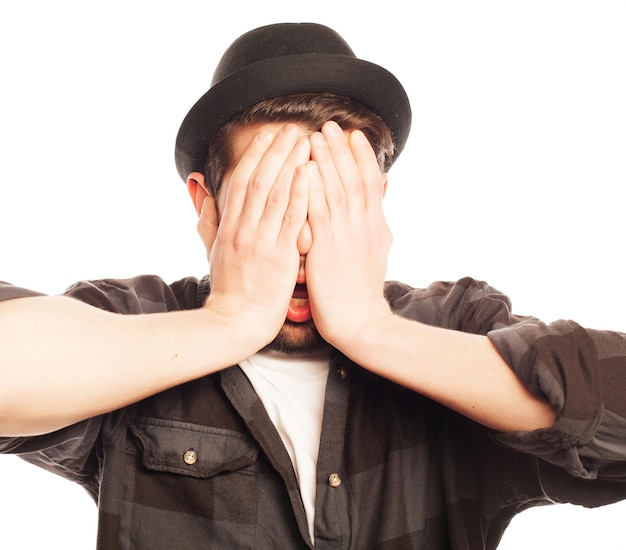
[{"x": 297, "y": 339}]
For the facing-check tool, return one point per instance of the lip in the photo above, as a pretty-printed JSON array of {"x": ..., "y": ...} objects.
[{"x": 299, "y": 310}]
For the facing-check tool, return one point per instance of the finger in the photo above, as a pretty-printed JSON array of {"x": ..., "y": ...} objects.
[
  {"x": 295, "y": 215},
  {"x": 343, "y": 158},
  {"x": 372, "y": 179},
  {"x": 282, "y": 194},
  {"x": 267, "y": 172},
  {"x": 369, "y": 168},
  {"x": 331, "y": 186},
  {"x": 243, "y": 172},
  {"x": 318, "y": 212}
]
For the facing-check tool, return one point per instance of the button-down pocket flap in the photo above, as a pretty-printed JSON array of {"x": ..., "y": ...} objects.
[{"x": 191, "y": 449}]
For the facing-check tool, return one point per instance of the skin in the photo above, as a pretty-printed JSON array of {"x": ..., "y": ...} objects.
[
  {"x": 345, "y": 232},
  {"x": 295, "y": 209},
  {"x": 330, "y": 175}
]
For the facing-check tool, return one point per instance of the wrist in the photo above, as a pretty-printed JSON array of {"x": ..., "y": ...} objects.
[
  {"x": 245, "y": 328},
  {"x": 361, "y": 337}
]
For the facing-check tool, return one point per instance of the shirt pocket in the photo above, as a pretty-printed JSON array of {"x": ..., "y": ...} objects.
[
  {"x": 191, "y": 449},
  {"x": 187, "y": 484}
]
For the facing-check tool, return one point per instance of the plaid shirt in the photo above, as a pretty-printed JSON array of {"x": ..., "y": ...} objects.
[{"x": 202, "y": 466}]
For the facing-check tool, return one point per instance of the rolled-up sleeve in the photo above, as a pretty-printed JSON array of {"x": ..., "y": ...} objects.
[
  {"x": 71, "y": 452},
  {"x": 11, "y": 292},
  {"x": 582, "y": 373}
]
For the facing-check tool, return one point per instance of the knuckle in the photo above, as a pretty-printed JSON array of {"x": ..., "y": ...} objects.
[
  {"x": 293, "y": 219},
  {"x": 236, "y": 183},
  {"x": 240, "y": 240},
  {"x": 276, "y": 198},
  {"x": 256, "y": 184},
  {"x": 337, "y": 197},
  {"x": 319, "y": 217}
]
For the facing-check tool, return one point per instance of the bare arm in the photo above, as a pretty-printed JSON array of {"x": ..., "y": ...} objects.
[
  {"x": 462, "y": 371},
  {"x": 351, "y": 237},
  {"x": 63, "y": 361}
]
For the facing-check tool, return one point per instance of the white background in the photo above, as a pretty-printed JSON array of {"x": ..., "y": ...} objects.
[{"x": 513, "y": 172}]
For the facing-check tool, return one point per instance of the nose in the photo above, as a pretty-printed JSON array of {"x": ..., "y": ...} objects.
[
  {"x": 305, "y": 239},
  {"x": 301, "y": 271}
]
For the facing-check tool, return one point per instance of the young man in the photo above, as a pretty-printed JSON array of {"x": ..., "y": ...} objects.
[{"x": 293, "y": 397}]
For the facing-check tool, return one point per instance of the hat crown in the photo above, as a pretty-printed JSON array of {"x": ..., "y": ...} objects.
[
  {"x": 286, "y": 59},
  {"x": 279, "y": 40}
]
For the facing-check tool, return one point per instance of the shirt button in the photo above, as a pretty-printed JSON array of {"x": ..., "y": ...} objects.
[
  {"x": 334, "y": 480},
  {"x": 190, "y": 457},
  {"x": 342, "y": 373}
]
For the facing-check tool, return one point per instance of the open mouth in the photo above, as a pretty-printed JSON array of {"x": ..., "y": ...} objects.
[{"x": 299, "y": 310}]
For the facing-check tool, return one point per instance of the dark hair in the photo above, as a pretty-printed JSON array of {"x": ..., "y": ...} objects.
[{"x": 310, "y": 110}]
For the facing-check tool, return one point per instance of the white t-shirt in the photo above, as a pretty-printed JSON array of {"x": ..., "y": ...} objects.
[{"x": 292, "y": 390}]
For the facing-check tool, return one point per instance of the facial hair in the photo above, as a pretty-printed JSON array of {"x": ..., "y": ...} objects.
[{"x": 297, "y": 339}]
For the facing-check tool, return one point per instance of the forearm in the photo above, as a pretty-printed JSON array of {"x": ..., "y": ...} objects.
[
  {"x": 462, "y": 371},
  {"x": 345, "y": 273},
  {"x": 63, "y": 361}
]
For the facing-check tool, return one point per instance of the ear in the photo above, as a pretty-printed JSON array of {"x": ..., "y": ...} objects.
[
  {"x": 385, "y": 182},
  {"x": 197, "y": 190},
  {"x": 206, "y": 208}
]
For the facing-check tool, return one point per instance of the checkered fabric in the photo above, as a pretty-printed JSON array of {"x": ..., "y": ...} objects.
[{"x": 202, "y": 466}]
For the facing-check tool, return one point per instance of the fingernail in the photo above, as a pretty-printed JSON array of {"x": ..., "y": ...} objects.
[
  {"x": 289, "y": 129},
  {"x": 359, "y": 137},
  {"x": 318, "y": 139},
  {"x": 302, "y": 143},
  {"x": 263, "y": 136},
  {"x": 332, "y": 128}
]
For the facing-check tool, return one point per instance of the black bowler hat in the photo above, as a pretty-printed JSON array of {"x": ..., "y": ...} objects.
[{"x": 284, "y": 59}]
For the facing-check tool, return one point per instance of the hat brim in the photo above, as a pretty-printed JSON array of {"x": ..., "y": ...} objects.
[{"x": 348, "y": 76}]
